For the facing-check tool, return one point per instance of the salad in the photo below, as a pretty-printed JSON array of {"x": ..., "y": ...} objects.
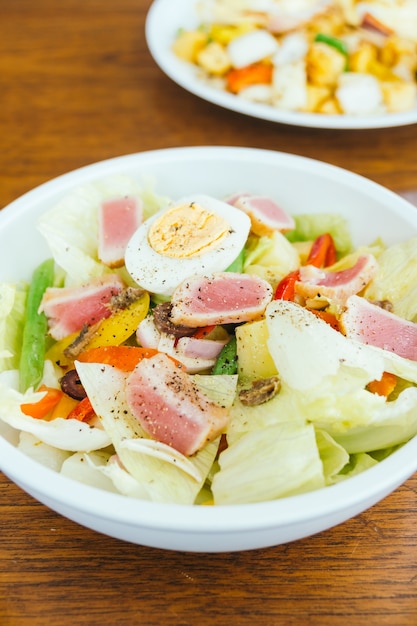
[
  {"x": 333, "y": 57},
  {"x": 208, "y": 351}
]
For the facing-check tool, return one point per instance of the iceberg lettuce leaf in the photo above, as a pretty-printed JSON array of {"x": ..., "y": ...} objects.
[
  {"x": 396, "y": 279},
  {"x": 333, "y": 456},
  {"x": 12, "y": 317},
  {"x": 309, "y": 226},
  {"x": 267, "y": 464},
  {"x": 270, "y": 258}
]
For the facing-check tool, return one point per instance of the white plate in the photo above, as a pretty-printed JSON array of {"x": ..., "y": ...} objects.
[
  {"x": 298, "y": 184},
  {"x": 166, "y": 17}
]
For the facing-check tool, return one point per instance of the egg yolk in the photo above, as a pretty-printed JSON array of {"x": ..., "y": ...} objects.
[{"x": 186, "y": 231}]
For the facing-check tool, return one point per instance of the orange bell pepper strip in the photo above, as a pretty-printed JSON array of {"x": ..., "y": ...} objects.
[
  {"x": 46, "y": 404},
  {"x": 255, "y": 74},
  {"x": 125, "y": 358},
  {"x": 330, "y": 318},
  {"x": 323, "y": 251},
  {"x": 385, "y": 386},
  {"x": 286, "y": 287}
]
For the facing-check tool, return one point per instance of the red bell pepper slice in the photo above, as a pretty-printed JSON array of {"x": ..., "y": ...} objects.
[
  {"x": 83, "y": 411},
  {"x": 323, "y": 251},
  {"x": 286, "y": 287},
  {"x": 201, "y": 333}
]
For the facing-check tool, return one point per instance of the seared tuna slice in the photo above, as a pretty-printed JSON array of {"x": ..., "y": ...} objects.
[
  {"x": 336, "y": 286},
  {"x": 221, "y": 298},
  {"x": 374, "y": 325},
  {"x": 71, "y": 308},
  {"x": 118, "y": 219},
  {"x": 265, "y": 214},
  {"x": 171, "y": 408}
]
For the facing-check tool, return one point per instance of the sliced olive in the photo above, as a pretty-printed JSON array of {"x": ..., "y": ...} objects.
[{"x": 71, "y": 385}]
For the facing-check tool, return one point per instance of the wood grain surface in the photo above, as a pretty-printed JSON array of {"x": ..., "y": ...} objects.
[{"x": 78, "y": 85}]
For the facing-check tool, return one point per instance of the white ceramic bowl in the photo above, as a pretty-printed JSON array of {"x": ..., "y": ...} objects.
[{"x": 300, "y": 185}]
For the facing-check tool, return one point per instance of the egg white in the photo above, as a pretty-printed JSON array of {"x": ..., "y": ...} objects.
[{"x": 161, "y": 274}]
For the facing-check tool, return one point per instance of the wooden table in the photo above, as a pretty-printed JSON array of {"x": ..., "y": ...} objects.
[{"x": 78, "y": 85}]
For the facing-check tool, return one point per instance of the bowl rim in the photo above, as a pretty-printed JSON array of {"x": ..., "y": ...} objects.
[
  {"x": 46, "y": 484},
  {"x": 259, "y": 516}
]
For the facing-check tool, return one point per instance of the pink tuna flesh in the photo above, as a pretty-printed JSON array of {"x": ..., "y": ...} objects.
[
  {"x": 373, "y": 325},
  {"x": 69, "y": 309},
  {"x": 118, "y": 219},
  {"x": 336, "y": 286},
  {"x": 222, "y": 298},
  {"x": 265, "y": 214},
  {"x": 171, "y": 408}
]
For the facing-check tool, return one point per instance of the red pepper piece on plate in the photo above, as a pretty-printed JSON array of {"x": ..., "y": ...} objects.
[
  {"x": 286, "y": 287},
  {"x": 323, "y": 251}
]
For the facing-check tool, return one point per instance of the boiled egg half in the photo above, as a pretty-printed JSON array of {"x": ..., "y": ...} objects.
[{"x": 196, "y": 235}]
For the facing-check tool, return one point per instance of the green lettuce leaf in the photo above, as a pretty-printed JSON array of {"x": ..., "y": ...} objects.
[
  {"x": 270, "y": 258},
  {"x": 309, "y": 226},
  {"x": 333, "y": 456},
  {"x": 267, "y": 464},
  {"x": 396, "y": 279},
  {"x": 12, "y": 316}
]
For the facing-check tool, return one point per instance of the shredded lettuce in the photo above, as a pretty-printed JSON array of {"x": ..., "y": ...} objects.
[
  {"x": 271, "y": 258},
  {"x": 309, "y": 226},
  {"x": 12, "y": 316},
  {"x": 274, "y": 462},
  {"x": 43, "y": 453},
  {"x": 396, "y": 279},
  {"x": 333, "y": 456},
  {"x": 85, "y": 468}
]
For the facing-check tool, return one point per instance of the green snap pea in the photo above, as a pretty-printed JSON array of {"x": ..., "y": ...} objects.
[
  {"x": 32, "y": 354},
  {"x": 227, "y": 360}
]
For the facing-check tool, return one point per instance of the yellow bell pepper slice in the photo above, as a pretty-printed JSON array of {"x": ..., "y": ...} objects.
[{"x": 116, "y": 329}]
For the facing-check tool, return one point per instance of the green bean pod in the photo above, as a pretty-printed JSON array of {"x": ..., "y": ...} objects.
[
  {"x": 227, "y": 360},
  {"x": 32, "y": 356}
]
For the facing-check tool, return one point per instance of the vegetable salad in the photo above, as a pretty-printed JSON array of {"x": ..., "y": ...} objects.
[
  {"x": 327, "y": 57},
  {"x": 282, "y": 394}
]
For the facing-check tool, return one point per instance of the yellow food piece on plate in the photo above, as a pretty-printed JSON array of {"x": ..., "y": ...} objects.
[
  {"x": 361, "y": 58},
  {"x": 324, "y": 64},
  {"x": 399, "y": 96},
  {"x": 214, "y": 59},
  {"x": 225, "y": 33},
  {"x": 316, "y": 96},
  {"x": 330, "y": 107},
  {"x": 188, "y": 44}
]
